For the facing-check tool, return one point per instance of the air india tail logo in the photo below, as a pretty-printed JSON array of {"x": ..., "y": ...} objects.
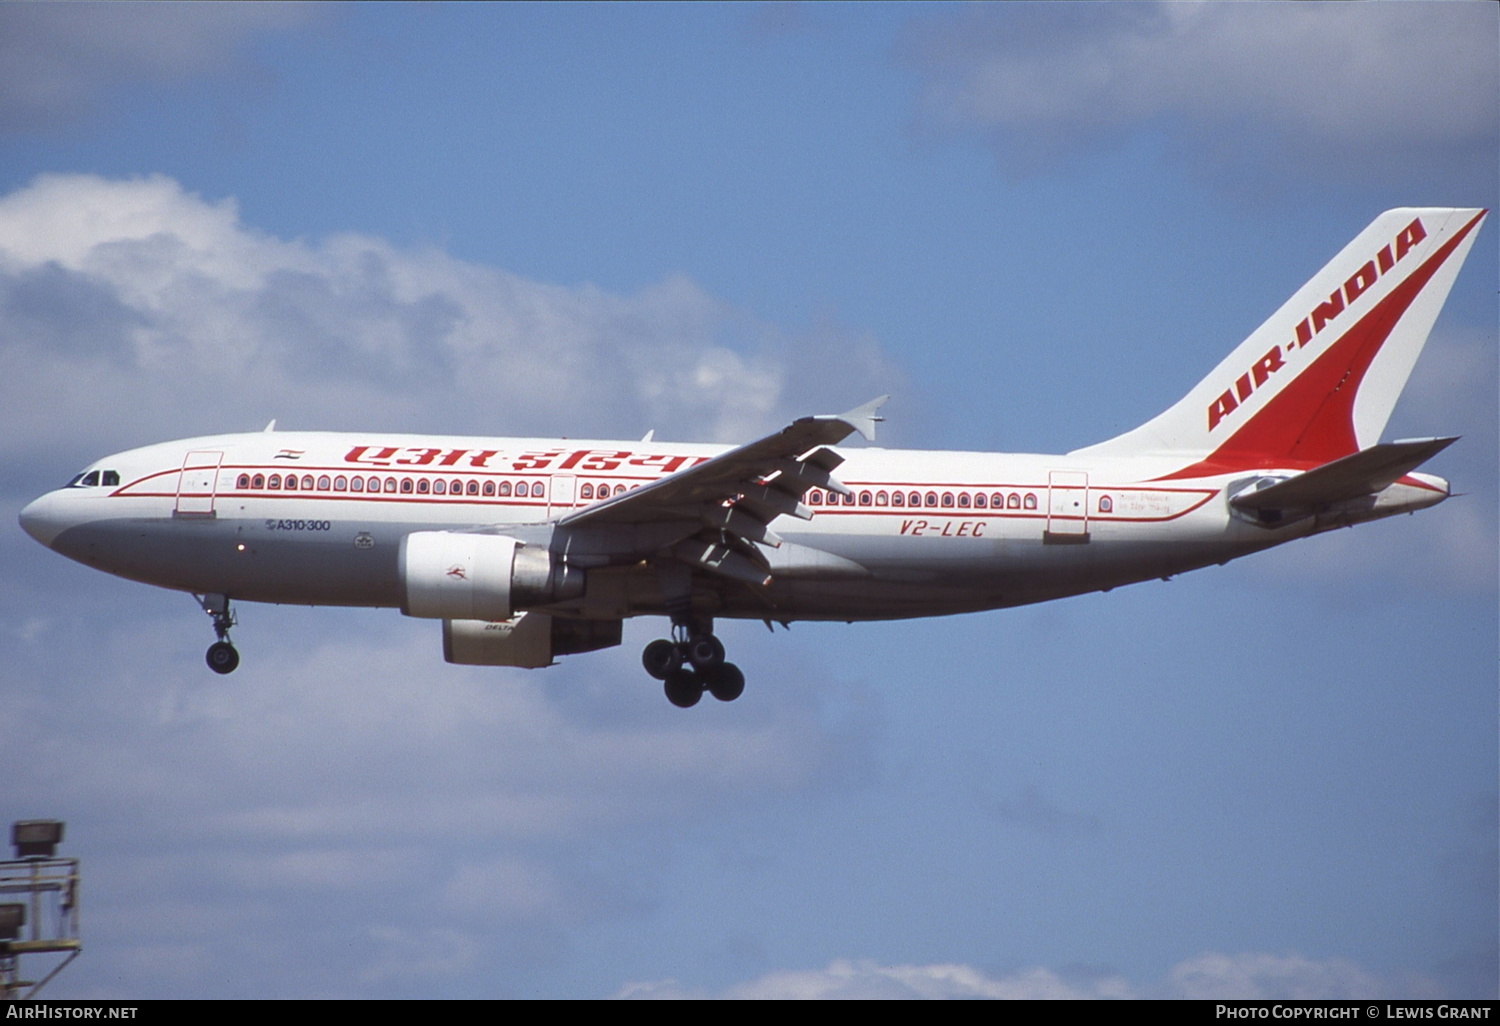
[
  {"x": 1322, "y": 315},
  {"x": 457, "y": 572}
]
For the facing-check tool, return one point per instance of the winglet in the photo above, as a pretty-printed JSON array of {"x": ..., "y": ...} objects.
[{"x": 863, "y": 418}]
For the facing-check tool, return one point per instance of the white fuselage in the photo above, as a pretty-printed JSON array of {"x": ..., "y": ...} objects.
[{"x": 924, "y": 533}]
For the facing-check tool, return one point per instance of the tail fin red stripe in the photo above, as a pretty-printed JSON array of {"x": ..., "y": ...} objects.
[{"x": 1311, "y": 420}]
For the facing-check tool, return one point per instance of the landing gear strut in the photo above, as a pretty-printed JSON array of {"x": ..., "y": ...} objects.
[
  {"x": 222, "y": 656},
  {"x": 692, "y": 663}
]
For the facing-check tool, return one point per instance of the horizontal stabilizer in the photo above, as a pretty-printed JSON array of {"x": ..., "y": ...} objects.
[{"x": 1367, "y": 472}]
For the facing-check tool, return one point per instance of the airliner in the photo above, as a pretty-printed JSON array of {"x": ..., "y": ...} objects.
[{"x": 527, "y": 549}]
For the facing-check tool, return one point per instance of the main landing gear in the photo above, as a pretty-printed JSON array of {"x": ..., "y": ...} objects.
[
  {"x": 691, "y": 664},
  {"x": 222, "y": 656}
]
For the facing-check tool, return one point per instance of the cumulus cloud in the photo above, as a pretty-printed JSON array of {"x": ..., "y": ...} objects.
[
  {"x": 136, "y": 301},
  {"x": 845, "y": 979},
  {"x": 133, "y": 311},
  {"x": 59, "y": 61},
  {"x": 1250, "y": 976},
  {"x": 1309, "y": 86},
  {"x": 354, "y": 781}
]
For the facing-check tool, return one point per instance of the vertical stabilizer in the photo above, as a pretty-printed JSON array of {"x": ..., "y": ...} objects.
[{"x": 1318, "y": 380}]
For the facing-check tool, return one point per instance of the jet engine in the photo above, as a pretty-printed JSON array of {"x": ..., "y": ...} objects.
[
  {"x": 448, "y": 575},
  {"x": 529, "y": 640}
]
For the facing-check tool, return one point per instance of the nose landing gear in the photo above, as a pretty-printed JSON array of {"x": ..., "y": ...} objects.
[
  {"x": 692, "y": 664},
  {"x": 222, "y": 657}
]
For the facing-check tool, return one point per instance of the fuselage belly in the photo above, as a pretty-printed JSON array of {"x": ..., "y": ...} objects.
[{"x": 1031, "y": 540}]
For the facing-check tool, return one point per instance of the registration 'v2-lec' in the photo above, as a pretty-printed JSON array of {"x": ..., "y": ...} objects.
[{"x": 526, "y": 549}]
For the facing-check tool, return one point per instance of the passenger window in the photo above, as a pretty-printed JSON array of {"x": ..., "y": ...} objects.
[
  {"x": 307, "y": 482},
  {"x": 473, "y": 488},
  {"x": 357, "y": 484},
  {"x": 291, "y": 483},
  {"x": 849, "y": 499},
  {"x": 1014, "y": 501},
  {"x": 439, "y": 487},
  {"x": 423, "y": 486},
  {"x": 243, "y": 482},
  {"x": 390, "y": 484},
  {"x": 324, "y": 483},
  {"x": 341, "y": 483},
  {"x": 1030, "y": 500},
  {"x": 620, "y": 489},
  {"x": 406, "y": 486},
  {"x": 915, "y": 498},
  {"x": 586, "y": 492},
  {"x": 489, "y": 488},
  {"x": 864, "y": 498},
  {"x": 1106, "y": 504},
  {"x": 882, "y": 499},
  {"x": 947, "y": 500},
  {"x": 815, "y": 498},
  {"x": 979, "y": 500},
  {"x": 963, "y": 500},
  {"x": 932, "y": 498},
  {"x": 898, "y": 499},
  {"x": 504, "y": 488},
  {"x": 257, "y": 482}
]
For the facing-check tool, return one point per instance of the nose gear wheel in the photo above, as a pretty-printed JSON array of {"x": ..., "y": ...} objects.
[{"x": 222, "y": 656}]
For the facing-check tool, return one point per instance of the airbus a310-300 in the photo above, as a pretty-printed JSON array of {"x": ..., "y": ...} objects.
[{"x": 528, "y": 549}]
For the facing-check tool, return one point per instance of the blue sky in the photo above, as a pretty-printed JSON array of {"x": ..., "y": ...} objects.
[{"x": 1036, "y": 226}]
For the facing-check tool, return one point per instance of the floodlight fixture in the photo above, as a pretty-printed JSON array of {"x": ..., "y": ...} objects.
[
  {"x": 36, "y": 838},
  {"x": 12, "y": 918}
]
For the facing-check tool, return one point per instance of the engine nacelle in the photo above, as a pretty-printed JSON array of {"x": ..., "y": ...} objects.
[
  {"x": 447, "y": 575},
  {"x": 529, "y": 640}
]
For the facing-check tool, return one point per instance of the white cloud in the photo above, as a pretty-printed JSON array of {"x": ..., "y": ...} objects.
[
  {"x": 1249, "y": 976},
  {"x": 135, "y": 302},
  {"x": 308, "y": 788},
  {"x": 845, "y": 979},
  {"x": 1303, "y": 84},
  {"x": 1255, "y": 976},
  {"x": 358, "y": 780}
]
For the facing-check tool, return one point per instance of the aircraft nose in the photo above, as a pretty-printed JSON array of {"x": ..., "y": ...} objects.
[{"x": 42, "y": 519}]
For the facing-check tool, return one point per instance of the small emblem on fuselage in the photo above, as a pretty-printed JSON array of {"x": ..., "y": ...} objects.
[
  {"x": 457, "y": 572},
  {"x": 363, "y": 540}
]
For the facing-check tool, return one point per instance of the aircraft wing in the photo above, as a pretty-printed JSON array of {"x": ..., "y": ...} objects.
[
  {"x": 722, "y": 505},
  {"x": 1366, "y": 472}
]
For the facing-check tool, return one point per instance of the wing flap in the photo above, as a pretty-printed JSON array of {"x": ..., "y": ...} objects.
[
  {"x": 724, "y": 506},
  {"x": 733, "y": 473}
]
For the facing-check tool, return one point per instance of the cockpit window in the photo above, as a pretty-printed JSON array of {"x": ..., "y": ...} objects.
[
  {"x": 110, "y": 478},
  {"x": 90, "y": 479}
]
